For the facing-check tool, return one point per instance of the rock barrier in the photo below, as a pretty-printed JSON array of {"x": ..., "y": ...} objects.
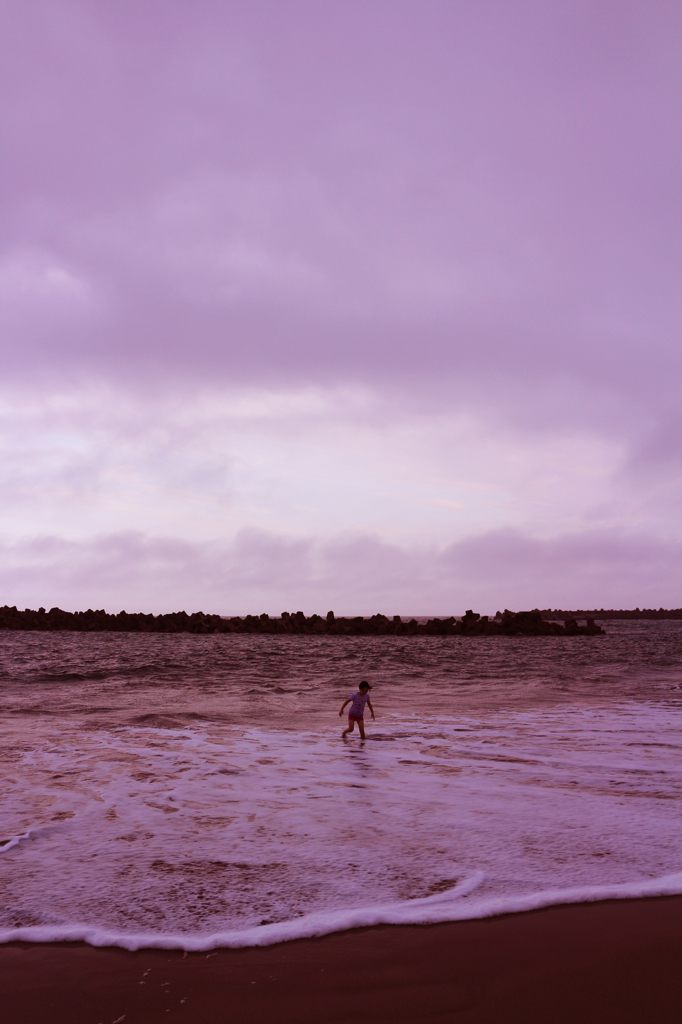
[{"x": 505, "y": 623}]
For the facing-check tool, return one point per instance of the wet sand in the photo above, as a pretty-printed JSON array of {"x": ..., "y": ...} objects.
[{"x": 617, "y": 962}]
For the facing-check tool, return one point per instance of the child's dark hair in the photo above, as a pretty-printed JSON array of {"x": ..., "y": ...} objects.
[{"x": 363, "y": 684}]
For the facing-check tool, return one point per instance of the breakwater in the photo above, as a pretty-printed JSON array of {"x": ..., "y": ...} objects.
[{"x": 507, "y": 623}]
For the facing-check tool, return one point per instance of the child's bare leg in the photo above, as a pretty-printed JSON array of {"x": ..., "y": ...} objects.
[
  {"x": 361, "y": 727},
  {"x": 351, "y": 725}
]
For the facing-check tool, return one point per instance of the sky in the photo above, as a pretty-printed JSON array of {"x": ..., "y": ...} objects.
[{"x": 362, "y": 305}]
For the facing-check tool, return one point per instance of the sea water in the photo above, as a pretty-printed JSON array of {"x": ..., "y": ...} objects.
[{"x": 195, "y": 791}]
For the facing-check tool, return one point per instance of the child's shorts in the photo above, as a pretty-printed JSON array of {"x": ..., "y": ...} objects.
[{"x": 354, "y": 718}]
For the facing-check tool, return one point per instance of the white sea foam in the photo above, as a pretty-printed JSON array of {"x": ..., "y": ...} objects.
[
  {"x": 8, "y": 844},
  {"x": 431, "y": 910},
  {"x": 209, "y": 836}
]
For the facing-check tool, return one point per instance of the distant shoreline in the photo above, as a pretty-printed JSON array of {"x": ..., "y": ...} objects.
[{"x": 613, "y": 613}]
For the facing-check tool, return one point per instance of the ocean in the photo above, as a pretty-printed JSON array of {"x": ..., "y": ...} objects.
[{"x": 191, "y": 791}]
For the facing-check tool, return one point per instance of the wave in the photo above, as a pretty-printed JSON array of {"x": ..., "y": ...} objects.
[
  {"x": 453, "y": 905},
  {"x": 8, "y": 844}
]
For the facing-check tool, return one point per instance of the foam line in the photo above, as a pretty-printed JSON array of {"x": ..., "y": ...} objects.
[
  {"x": 14, "y": 841},
  {"x": 453, "y": 905}
]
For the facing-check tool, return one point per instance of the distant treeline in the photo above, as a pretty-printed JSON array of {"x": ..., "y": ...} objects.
[
  {"x": 505, "y": 623},
  {"x": 612, "y": 613}
]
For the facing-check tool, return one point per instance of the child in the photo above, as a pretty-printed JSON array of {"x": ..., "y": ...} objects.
[{"x": 357, "y": 710}]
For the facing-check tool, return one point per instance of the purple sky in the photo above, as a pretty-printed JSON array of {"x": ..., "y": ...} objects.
[{"x": 354, "y": 305}]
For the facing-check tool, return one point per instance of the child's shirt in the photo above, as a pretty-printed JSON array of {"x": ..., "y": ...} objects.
[{"x": 358, "y": 701}]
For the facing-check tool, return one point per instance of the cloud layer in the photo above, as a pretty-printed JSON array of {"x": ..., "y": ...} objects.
[
  {"x": 402, "y": 272},
  {"x": 356, "y": 575}
]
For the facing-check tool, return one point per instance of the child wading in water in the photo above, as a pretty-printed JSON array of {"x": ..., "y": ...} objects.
[{"x": 357, "y": 710}]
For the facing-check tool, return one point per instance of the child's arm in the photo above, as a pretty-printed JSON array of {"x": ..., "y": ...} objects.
[
  {"x": 343, "y": 706},
  {"x": 369, "y": 705}
]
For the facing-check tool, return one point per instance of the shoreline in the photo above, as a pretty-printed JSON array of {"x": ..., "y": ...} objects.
[
  {"x": 435, "y": 909},
  {"x": 611, "y": 961}
]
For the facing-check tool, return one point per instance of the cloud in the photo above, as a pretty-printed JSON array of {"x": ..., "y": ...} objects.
[
  {"x": 351, "y": 574},
  {"x": 452, "y": 202},
  {"x": 315, "y": 460},
  {"x": 388, "y": 269}
]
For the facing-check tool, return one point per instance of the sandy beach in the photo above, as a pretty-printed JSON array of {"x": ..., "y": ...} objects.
[{"x": 603, "y": 962}]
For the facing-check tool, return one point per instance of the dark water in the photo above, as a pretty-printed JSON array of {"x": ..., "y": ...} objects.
[{"x": 276, "y": 680}]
